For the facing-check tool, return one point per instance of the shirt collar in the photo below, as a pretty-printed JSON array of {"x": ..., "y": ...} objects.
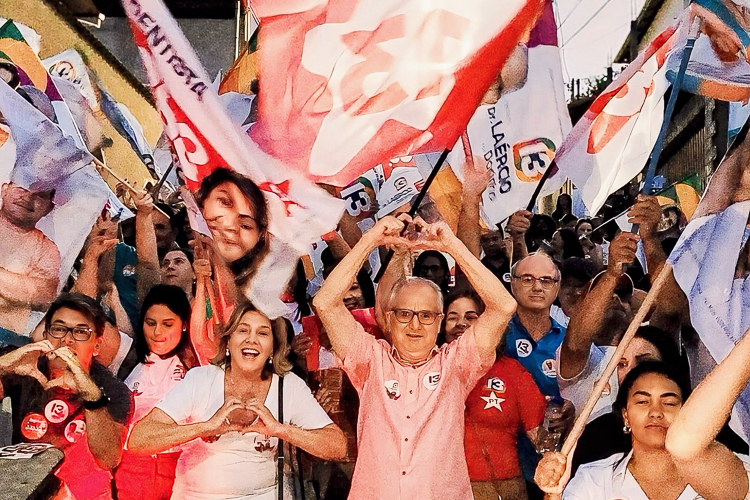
[
  {"x": 403, "y": 362},
  {"x": 621, "y": 468},
  {"x": 555, "y": 328}
]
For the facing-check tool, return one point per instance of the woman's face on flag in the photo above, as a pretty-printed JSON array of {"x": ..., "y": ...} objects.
[{"x": 232, "y": 221}]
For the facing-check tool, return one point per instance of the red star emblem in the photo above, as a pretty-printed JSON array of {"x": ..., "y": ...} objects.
[{"x": 282, "y": 191}]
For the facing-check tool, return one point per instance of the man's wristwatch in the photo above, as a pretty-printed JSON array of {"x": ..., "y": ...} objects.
[{"x": 99, "y": 403}]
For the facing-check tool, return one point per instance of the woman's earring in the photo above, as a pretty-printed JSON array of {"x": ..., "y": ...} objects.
[
  {"x": 227, "y": 352},
  {"x": 269, "y": 361},
  {"x": 626, "y": 429}
]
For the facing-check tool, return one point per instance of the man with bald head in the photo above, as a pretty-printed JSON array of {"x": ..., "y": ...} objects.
[
  {"x": 533, "y": 336},
  {"x": 412, "y": 392}
]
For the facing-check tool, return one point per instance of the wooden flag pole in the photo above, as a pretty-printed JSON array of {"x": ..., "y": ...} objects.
[
  {"x": 648, "y": 303},
  {"x": 117, "y": 177}
]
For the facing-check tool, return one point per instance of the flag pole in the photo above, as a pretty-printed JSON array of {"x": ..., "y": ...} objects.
[
  {"x": 157, "y": 188},
  {"x": 547, "y": 174},
  {"x": 631, "y": 206},
  {"x": 414, "y": 207},
  {"x": 580, "y": 422},
  {"x": 659, "y": 145}
]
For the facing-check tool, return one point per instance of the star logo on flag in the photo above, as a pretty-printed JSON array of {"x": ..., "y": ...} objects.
[
  {"x": 282, "y": 191},
  {"x": 493, "y": 401}
]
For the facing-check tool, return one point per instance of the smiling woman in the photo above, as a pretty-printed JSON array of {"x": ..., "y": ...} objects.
[{"x": 233, "y": 406}]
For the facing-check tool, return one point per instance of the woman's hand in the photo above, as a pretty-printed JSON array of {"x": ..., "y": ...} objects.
[
  {"x": 301, "y": 345},
  {"x": 552, "y": 473},
  {"x": 266, "y": 423},
  {"x": 220, "y": 423}
]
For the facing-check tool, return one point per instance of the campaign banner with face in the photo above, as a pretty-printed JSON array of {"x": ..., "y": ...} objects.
[
  {"x": 51, "y": 197},
  {"x": 262, "y": 215}
]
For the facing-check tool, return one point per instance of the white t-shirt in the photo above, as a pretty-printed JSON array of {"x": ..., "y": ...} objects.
[
  {"x": 578, "y": 389},
  {"x": 152, "y": 381},
  {"x": 610, "y": 479},
  {"x": 237, "y": 466}
]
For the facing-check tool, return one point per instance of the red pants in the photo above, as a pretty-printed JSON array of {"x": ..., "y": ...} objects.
[{"x": 145, "y": 477}]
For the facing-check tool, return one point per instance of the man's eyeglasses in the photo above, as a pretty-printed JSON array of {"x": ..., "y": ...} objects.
[
  {"x": 79, "y": 333},
  {"x": 424, "y": 317},
  {"x": 528, "y": 281}
]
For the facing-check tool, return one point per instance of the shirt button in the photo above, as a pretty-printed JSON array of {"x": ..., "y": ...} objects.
[
  {"x": 408, "y": 416},
  {"x": 406, "y": 439},
  {"x": 411, "y": 392},
  {"x": 403, "y": 472}
]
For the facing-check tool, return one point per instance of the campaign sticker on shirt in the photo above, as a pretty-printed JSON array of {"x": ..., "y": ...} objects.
[
  {"x": 57, "y": 411},
  {"x": 391, "y": 387},
  {"x": 74, "y": 430},
  {"x": 523, "y": 348},
  {"x": 179, "y": 372},
  {"x": 548, "y": 368},
  {"x": 431, "y": 380},
  {"x": 34, "y": 426},
  {"x": 496, "y": 384},
  {"x": 128, "y": 271}
]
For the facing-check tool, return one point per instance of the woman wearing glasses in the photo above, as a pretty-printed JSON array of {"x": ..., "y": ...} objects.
[
  {"x": 504, "y": 402},
  {"x": 163, "y": 354}
]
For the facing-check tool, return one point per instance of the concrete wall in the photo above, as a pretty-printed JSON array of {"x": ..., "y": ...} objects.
[{"x": 212, "y": 39}]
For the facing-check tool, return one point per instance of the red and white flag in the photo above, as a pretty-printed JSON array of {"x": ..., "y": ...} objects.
[
  {"x": 519, "y": 135},
  {"x": 351, "y": 83},
  {"x": 205, "y": 139},
  {"x": 611, "y": 143}
]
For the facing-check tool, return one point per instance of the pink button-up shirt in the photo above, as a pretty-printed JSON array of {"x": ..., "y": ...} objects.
[{"x": 410, "y": 430}]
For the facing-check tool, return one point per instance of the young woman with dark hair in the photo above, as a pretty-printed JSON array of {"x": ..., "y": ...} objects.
[
  {"x": 237, "y": 215},
  {"x": 649, "y": 400},
  {"x": 163, "y": 354},
  {"x": 504, "y": 403}
]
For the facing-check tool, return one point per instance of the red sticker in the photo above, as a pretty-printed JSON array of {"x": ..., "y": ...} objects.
[
  {"x": 34, "y": 426},
  {"x": 57, "y": 411}
]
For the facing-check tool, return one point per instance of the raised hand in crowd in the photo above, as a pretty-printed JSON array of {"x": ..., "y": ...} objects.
[
  {"x": 148, "y": 267},
  {"x": 590, "y": 320},
  {"x": 708, "y": 466},
  {"x": 476, "y": 178},
  {"x": 518, "y": 224}
]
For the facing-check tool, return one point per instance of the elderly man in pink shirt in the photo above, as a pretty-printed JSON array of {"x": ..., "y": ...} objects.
[{"x": 411, "y": 419}]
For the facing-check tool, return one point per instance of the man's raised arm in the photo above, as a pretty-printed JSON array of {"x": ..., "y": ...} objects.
[
  {"x": 329, "y": 301},
  {"x": 499, "y": 304}
]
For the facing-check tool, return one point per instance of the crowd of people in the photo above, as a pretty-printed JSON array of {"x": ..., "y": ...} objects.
[{"x": 445, "y": 380}]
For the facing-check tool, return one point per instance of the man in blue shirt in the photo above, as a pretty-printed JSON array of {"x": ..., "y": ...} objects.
[{"x": 533, "y": 336}]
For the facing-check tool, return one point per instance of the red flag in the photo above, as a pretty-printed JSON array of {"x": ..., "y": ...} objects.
[{"x": 346, "y": 84}]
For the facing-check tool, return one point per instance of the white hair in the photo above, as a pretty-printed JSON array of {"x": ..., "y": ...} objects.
[{"x": 413, "y": 280}]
